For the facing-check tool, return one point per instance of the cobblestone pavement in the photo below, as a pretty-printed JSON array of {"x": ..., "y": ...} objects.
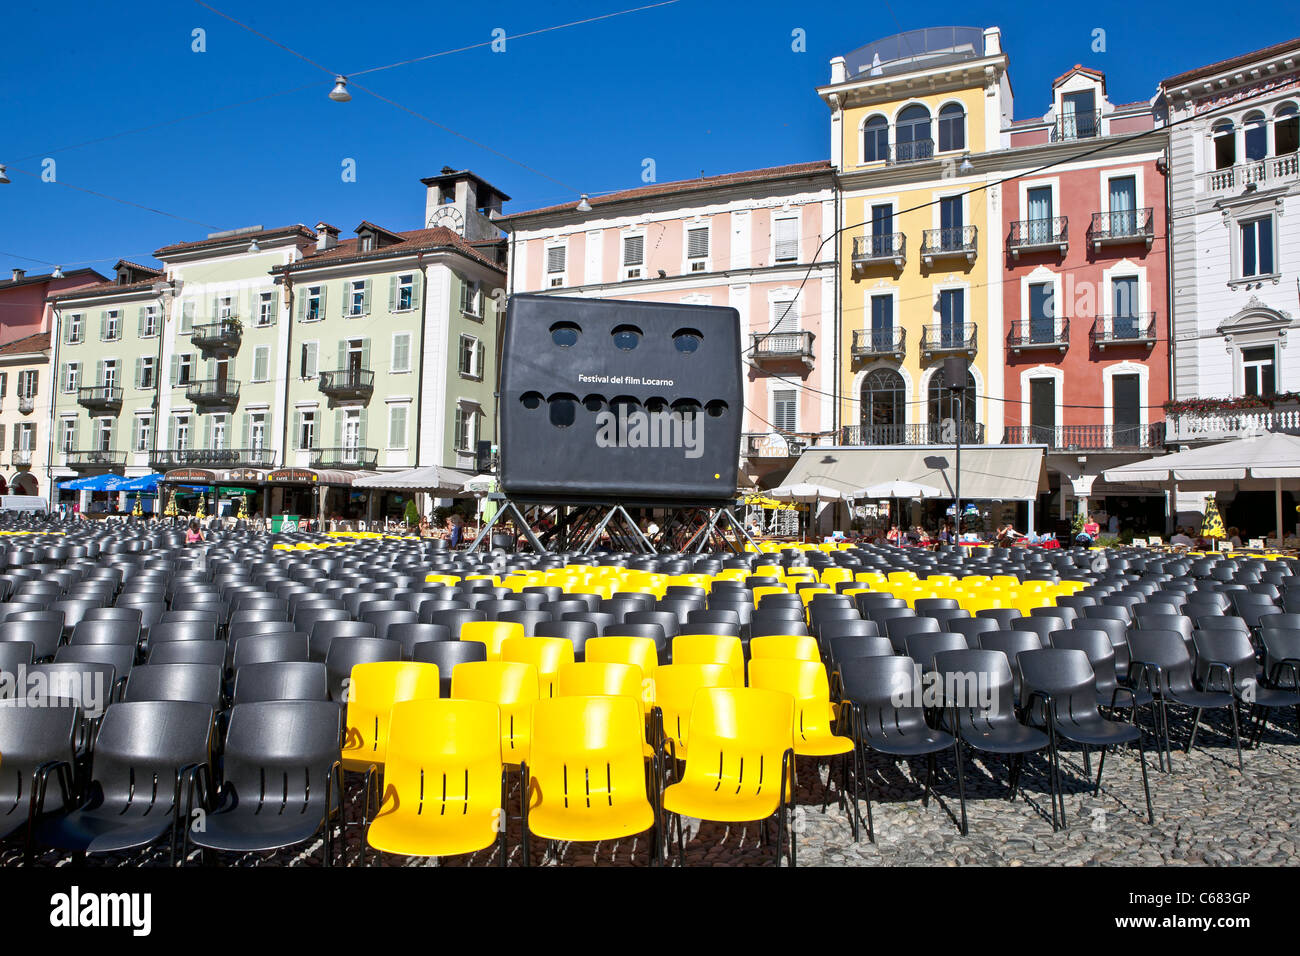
[{"x": 1206, "y": 812}]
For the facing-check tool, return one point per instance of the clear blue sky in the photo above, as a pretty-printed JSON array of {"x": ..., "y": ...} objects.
[{"x": 697, "y": 86}]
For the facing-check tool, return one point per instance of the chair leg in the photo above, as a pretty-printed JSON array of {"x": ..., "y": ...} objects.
[
  {"x": 1236, "y": 736},
  {"x": 929, "y": 779},
  {"x": 1014, "y": 779},
  {"x": 1087, "y": 761},
  {"x": 961, "y": 783},
  {"x": 1196, "y": 725},
  {"x": 866, "y": 786},
  {"x": 1146, "y": 786},
  {"x": 1101, "y": 766}
]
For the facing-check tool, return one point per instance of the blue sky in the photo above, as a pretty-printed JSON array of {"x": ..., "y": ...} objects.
[{"x": 698, "y": 86}]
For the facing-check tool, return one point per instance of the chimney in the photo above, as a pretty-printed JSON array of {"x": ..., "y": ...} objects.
[
  {"x": 19, "y": 273},
  {"x": 327, "y": 236},
  {"x": 992, "y": 41},
  {"x": 839, "y": 70}
]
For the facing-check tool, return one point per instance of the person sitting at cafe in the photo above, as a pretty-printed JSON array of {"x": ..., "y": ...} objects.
[{"x": 1181, "y": 539}]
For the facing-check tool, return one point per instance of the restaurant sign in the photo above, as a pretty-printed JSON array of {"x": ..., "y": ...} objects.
[
  {"x": 196, "y": 476},
  {"x": 292, "y": 474},
  {"x": 244, "y": 474}
]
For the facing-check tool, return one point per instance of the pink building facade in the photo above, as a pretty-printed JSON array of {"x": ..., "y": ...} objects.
[
  {"x": 23, "y": 307},
  {"x": 755, "y": 241}
]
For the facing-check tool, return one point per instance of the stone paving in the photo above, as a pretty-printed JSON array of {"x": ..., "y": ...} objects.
[{"x": 1206, "y": 812}]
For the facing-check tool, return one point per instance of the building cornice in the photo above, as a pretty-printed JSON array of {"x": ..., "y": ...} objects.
[{"x": 871, "y": 90}]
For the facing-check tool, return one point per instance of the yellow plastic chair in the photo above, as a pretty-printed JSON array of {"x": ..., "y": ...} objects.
[
  {"x": 512, "y": 687},
  {"x": 586, "y": 776},
  {"x": 491, "y": 633},
  {"x": 638, "y": 651},
  {"x": 372, "y": 691},
  {"x": 546, "y": 654},
  {"x": 444, "y": 782},
  {"x": 787, "y": 647},
  {"x": 741, "y": 761},
  {"x": 599, "y": 679},
  {"x": 710, "y": 649},
  {"x": 675, "y": 688}
]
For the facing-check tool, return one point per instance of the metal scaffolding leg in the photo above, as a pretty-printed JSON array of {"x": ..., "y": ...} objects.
[{"x": 520, "y": 522}]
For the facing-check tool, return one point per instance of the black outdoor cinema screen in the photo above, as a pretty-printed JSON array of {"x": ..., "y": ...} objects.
[{"x": 630, "y": 401}]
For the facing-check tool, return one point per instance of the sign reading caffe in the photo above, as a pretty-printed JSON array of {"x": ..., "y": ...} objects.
[{"x": 297, "y": 475}]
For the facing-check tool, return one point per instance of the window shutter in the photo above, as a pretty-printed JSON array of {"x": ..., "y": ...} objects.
[
  {"x": 35, "y": 383},
  {"x": 365, "y": 353},
  {"x": 187, "y": 318},
  {"x": 343, "y": 355},
  {"x": 401, "y": 352},
  {"x": 633, "y": 250},
  {"x": 361, "y": 429},
  {"x": 392, "y": 293},
  {"x": 99, "y": 372},
  {"x": 295, "y": 437},
  {"x": 697, "y": 243},
  {"x": 301, "y": 304},
  {"x": 63, "y": 379},
  {"x": 323, "y": 290},
  {"x": 103, "y": 325},
  {"x": 338, "y": 429},
  {"x": 787, "y": 239},
  {"x": 171, "y": 432},
  {"x": 216, "y": 308},
  {"x": 261, "y": 356},
  {"x": 139, "y": 322},
  {"x": 365, "y": 298},
  {"x": 397, "y": 427},
  {"x": 479, "y": 352},
  {"x": 244, "y": 429},
  {"x": 460, "y": 427},
  {"x": 210, "y": 368},
  {"x": 555, "y": 259},
  {"x": 309, "y": 360},
  {"x": 176, "y": 369},
  {"x": 415, "y": 291},
  {"x": 785, "y": 317},
  {"x": 139, "y": 366},
  {"x": 67, "y": 330}
]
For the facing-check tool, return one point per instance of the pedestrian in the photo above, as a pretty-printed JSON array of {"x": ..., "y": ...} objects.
[{"x": 194, "y": 535}]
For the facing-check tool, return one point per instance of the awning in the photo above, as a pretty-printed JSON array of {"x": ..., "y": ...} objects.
[
  {"x": 145, "y": 483},
  {"x": 190, "y": 476},
  {"x": 435, "y": 479},
  {"x": 318, "y": 476},
  {"x": 104, "y": 482},
  {"x": 988, "y": 472},
  {"x": 1248, "y": 464}
]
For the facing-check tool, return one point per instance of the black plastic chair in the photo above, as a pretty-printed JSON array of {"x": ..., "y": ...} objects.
[
  {"x": 452, "y": 619},
  {"x": 577, "y": 632},
  {"x": 668, "y": 622},
  {"x": 199, "y": 683},
  {"x": 106, "y": 632},
  {"x": 266, "y": 648},
  {"x": 167, "y": 631},
  {"x": 1096, "y": 644},
  {"x": 387, "y": 618},
  {"x": 306, "y": 616},
  {"x": 16, "y": 654},
  {"x": 280, "y": 680},
  {"x": 121, "y": 657},
  {"x": 188, "y": 652},
  {"x": 411, "y": 634},
  {"x": 1059, "y": 693},
  {"x": 899, "y": 629},
  {"x": 36, "y": 743},
  {"x": 447, "y": 654},
  {"x": 281, "y": 780},
  {"x": 326, "y": 632},
  {"x": 922, "y": 647},
  {"x": 346, "y": 652},
  {"x": 1007, "y": 617},
  {"x": 763, "y": 625},
  {"x": 598, "y": 618},
  {"x": 652, "y": 631},
  {"x": 972, "y": 627},
  {"x": 870, "y": 689},
  {"x": 1226, "y": 661},
  {"x": 1166, "y": 622},
  {"x": 43, "y": 636},
  {"x": 529, "y": 619}
]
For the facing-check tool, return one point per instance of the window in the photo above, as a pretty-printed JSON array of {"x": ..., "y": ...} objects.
[
  {"x": 785, "y": 317},
  {"x": 71, "y": 376},
  {"x": 884, "y": 399},
  {"x": 75, "y": 328},
  {"x": 27, "y": 383},
  {"x": 1042, "y": 411},
  {"x": 1123, "y": 205},
  {"x": 1124, "y": 302},
  {"x": 311, "y": 307},
  {"x": 1225, "y": 145},
  {"x": 466, "y": 427},
  {"x": 397, "y": 426},
  {"x": 25, "y": 437},
  {"x": 1256, "y": 136},
  {"x": 1042, "y": 312},
  {"x": 875, "y": 140},
  {"x": 108, "y": 374},
  {"x": 882, "y": 323},
  {"x": 143, "y": 429},
  {"x": 306, "y": 431},
  {"x": 401, "y": 352},
  {"x": 785, "y": 239},
  {"x": 1128, "y": 409},
  {"x": 181, "y": 431},
  {"x": 261, "y": 363},
  {"x": 187, "y": 318},
  {"x": 1286, "y": 130},
  {"x": 225, "y": 307},
  {"x": 184, "y": 368},
  {"x": 266, "y": 309},
  {"x": 256, "y": 425},
  {"x": 952, "y": 318},
  {"x": 111, "y": 327},
  {"x": 944, "y": 404},
  {"x": 555, "y": 265},
  {"x": 952, "y": 222},
  {"x": 148, "y": 322},
  {"x": 471, "y": 357},
  {"x": 68, "y": 436},
  {"x": 4, "y": 385},
  {"x": 104, "y": 434},
  {"x": 1257, "y": 247},
  {"x": 471, "y": 298},
  {"x": 145, "y": 373},
  {"x": 697, "y": 248},
  {"x": 882, "y": 230},
  {"x": 1039, "y": 231},
  {"x": 359, "y": 297},
  {"x": 633, "y": 256},
  {"x": 1079, "y": 115},
  {"x": 310, "y": 351},
  {"x": 218, "y": 434},
  {"x": 912, "y": 135},
  {"x": 404, "y": 293},
  {"x": 952, "y": 128},
  {"x": 1259, "y": 370},
  {"x": 785, "y": 410}
]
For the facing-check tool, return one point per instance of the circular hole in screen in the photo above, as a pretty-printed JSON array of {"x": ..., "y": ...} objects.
[
  {"x": 563, "y": 410},
  {"x": 565, "y": 334},
  {"x": 716, "y": 408},
  {"x": 626, "y": 337},
  {"x": 687, "y": 340},
  {"x": 531, "y": 400}
]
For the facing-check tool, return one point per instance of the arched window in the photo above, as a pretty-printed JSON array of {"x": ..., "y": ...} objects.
[
  {"x": 875, "y": 140},
  {"x": 1225, "y": 145},
  {"x": 952, "y": 128},
  {"x": 1286, "y": 129},
  {"x": 943, "y": 404},
  {"x": 1256, "y": 136},
  {"x": 912, "y": 134},
  {"x": 884, "y": 398}
]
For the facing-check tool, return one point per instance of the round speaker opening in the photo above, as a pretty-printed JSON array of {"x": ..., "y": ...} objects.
[
  {"x": 565, "y": 334},
  {"x": 531, "y": 400},
  {"x": 626, "y": 337},
  {"x": 563, "y": 410},
  {"x": 687, "y": 340},
  {"x": 716, "y": 408}
]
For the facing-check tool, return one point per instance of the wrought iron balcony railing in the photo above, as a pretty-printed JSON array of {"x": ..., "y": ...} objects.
[
  {"x": 344, "y": 457},
  {"x": 1130, "y": 225},
  {"x": 1044, "y": 333},
  {"x": 224, "y": 335},
  {"x": 1028, "y": 235},
  {"x": 213, "y": 391},
  {"x": 100, "y": 397},
  {"x": 1088, "y": 437},
  {"x": 347, "y": 383},
  {"x": 783, "y": 345},
  {"x": 870, "y": 343},
  {"x": 954, "y": 242},
  {"x": 948, "y": 337},
  {"x": 95, "y": 458},
  {"x": 1136, "y": 329},
  {"x": 212, "y": 457},
  {"x": 1077, "y": 126},
  {"x": 876, "y": 249},
  {"x": 929, "y": 433}
]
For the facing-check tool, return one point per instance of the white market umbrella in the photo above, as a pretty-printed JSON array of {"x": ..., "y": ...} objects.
[
  {"x": 897, "y": 489},
  {"x": 480, "y": 484},
  {"x": 808, "y": 493}
]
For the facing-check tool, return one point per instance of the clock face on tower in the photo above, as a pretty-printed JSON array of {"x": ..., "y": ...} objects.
[{"x": 448, "y": 217}]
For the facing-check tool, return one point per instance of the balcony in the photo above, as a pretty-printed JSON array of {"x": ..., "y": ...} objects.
[
  {"x": 100, "y": 398},
  {"x": 932, "y": 433},
  {"x": 344, "y": 457},
  {"x": 163, "y": 458},
  {"x": 948, "y": 339},
  {"x": 95, "y": 458},
  {"x": 1045, "y": 333},
  {"x": 22, "y": 458},
  {"x": 1262, "y": 174},
  {"x": 222, "y": 336},
  {"x": 348, "y": 383},
  {"x": 1089, "y": 437},
  {"x": 1119, "y": 330},
  {"x": 26, "y": 406},
  {"x": 957, "y": 242},
  {"x": 1077, "y": 126},
  {"x": 1121, "y": 228},
  {"x": 879, "y": 343},
  {"x": 222, "y": 392},
  {"x": 886, "y": 249},
  {"x": 782, "y": 346},
  {"x": 1218, "y": 425},
  {"x": 1039, "y": 235}
]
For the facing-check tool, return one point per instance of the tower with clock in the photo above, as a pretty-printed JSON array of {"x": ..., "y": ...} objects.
[{"x": 462, "y": 202}]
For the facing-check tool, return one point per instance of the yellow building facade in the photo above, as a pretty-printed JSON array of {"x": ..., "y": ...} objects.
[{"x": 915, "y": 120}]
